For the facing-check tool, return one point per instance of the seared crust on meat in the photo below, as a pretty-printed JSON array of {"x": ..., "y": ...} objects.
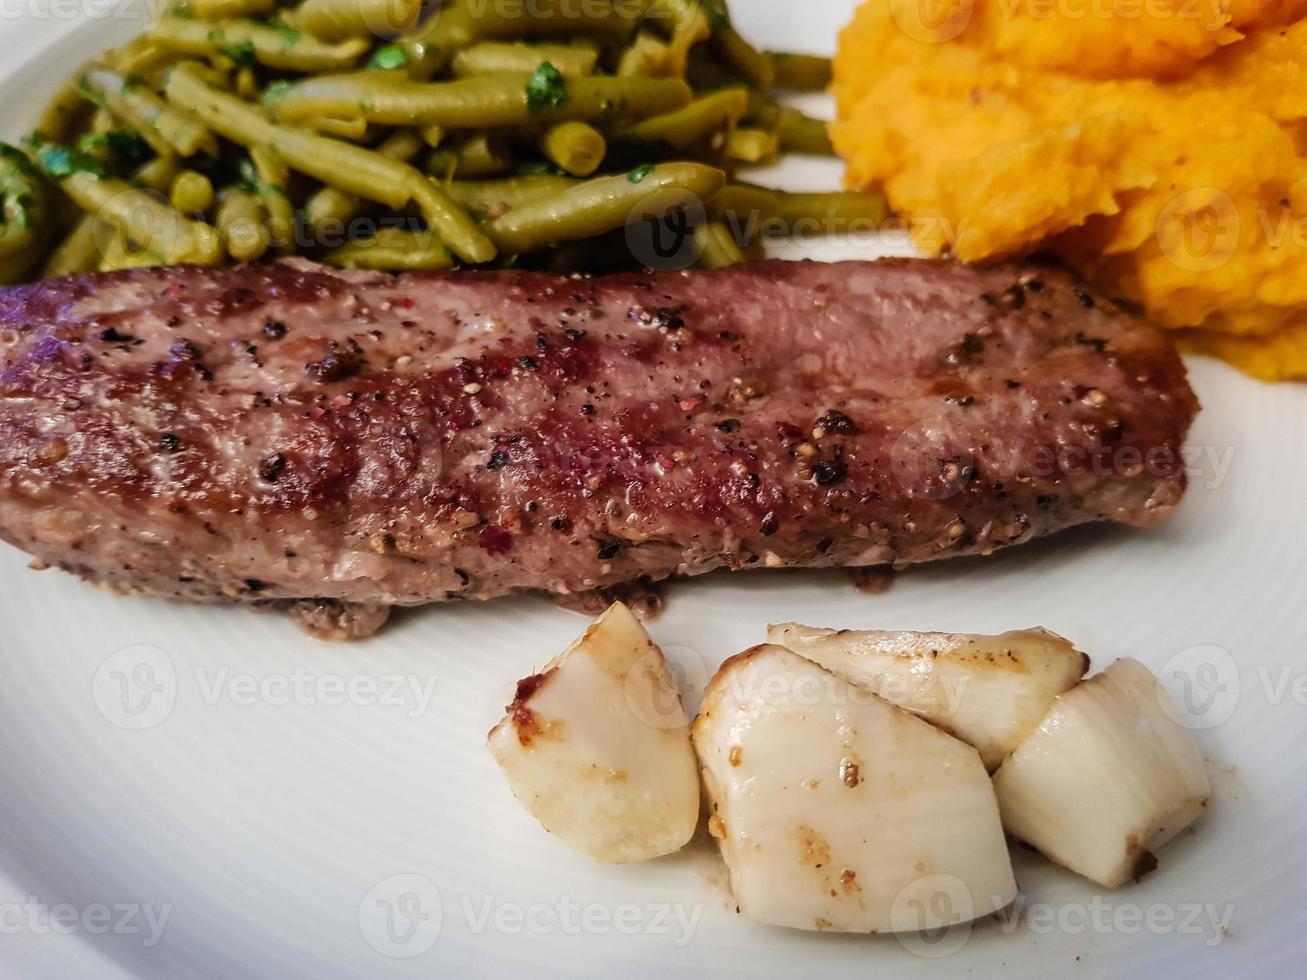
[{"x": 289, "y": 432}]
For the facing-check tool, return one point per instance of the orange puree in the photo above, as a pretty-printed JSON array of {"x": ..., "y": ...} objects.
[{"x": 1159, "y": 146}]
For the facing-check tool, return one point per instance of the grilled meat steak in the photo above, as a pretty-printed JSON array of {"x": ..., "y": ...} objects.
[{"x": 288, "y": 432}]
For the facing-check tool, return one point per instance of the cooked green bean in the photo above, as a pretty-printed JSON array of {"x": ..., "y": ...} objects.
[
  {"x": 739, "y": 200},
  {"x": 458, "y": 25},
  {"x": 339, "y": 20},
  {"x": 503, "y": 58},
  {"x": 231, "y": 9},
  {"x": 115, "y": 256},
  {"x": 835, "y": 207},
  {"x": 646, "y": 56},
  {"x": 163, "y": 127},
  {"x": 420, "y": 115},
  {"x": 392, "y": 250},
  {"x": 802, "y": 134},
  {"x": 494, "y": 198},
  {"x": 246, "y": 84},
  {"x": 716, "y": 246},
  {"x": 191, "y": 192},
  {"x": 697, "y": 122},
  {"x": 157, "y": 174},
  {"x": 342, "y": 165},
  {"x": 80, "y": 251},
  {"x": 272, "y": 189},
  {"x": 688, "y": 23},
  {"x": 752, "y": 145},
  {"x": 243, "y": 225},
  {"x": 26, "y": 218},
  {"x": 743, "y": 58},
  {"x": 747, "y": 206},
  {"x": 330, "y": 206},
  {"x": 603, "y": 204},
  {"x": 433, "y": 136},
  {"x": 146, "y": 222},
  {"x": 353, "y": 129},
  {"x": 137, "y": 58},
  {"x": 64, "y": 114},
  {"x": 245, "y": 42},
  {"x": 481, "y": 155},
  {"x": 799, "y": 72},
  {"x": 576, "y": 147},
  {"x": 475, "y": 103}
]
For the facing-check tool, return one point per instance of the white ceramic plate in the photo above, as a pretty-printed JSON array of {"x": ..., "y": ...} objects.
[{"x": 190, "y": 792}]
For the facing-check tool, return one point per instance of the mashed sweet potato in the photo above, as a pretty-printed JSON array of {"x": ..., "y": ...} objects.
[{"x": 1160, "y": 146}]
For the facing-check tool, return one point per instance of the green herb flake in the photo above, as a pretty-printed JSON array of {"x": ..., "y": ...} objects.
[
  {"x": 276, "y": 91},
  {"x": 637, "y": 175},
  {"x": 289, "y": 37},
  {"x": 242, "y": 54},
  {"x": 128, "y": 146},
  {"x": 719, "y": 15},
  {"x": 59, "y": 162},
  {"x": 387, "y": 58},
  {"x": 546, "y": 89},
  {"x": 89, "y": 94}
]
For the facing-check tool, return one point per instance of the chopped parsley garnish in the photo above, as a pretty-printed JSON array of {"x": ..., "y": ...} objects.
[
  {"x": 546, "y": 89},
  {"x": 242, "y": 54},
  {"x": 128, "y": 146},
  {"x": 638, "y": 174},
  {"x": 276, "y": 91},
  {"x": 719, "y": 15},
  {"x": 388, "y": 57},
  {"x": 89, "y": 94},
  {"x": 59, "y": 162},
  {"x": 289, "y": 35}
]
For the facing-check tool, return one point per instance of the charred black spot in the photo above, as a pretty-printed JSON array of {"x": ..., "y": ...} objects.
[
  {"x": 335, "y": 365},
  {"x": 828, "y": 472},
  {"x": 608, "y": 549},
  {"x": 112, "y": 336},
  {"x": 837, "y": 423},
  {"x": 1097, "y": 343},
  {"x": 169, "y": 443},
  {"x": 274, "y": 330},
  {"x": 272, "y": 467},
  {"x": 498, "y": 460}
]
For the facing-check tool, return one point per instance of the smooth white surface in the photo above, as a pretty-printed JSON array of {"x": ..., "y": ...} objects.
[{"x": 275, "y": 830}]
